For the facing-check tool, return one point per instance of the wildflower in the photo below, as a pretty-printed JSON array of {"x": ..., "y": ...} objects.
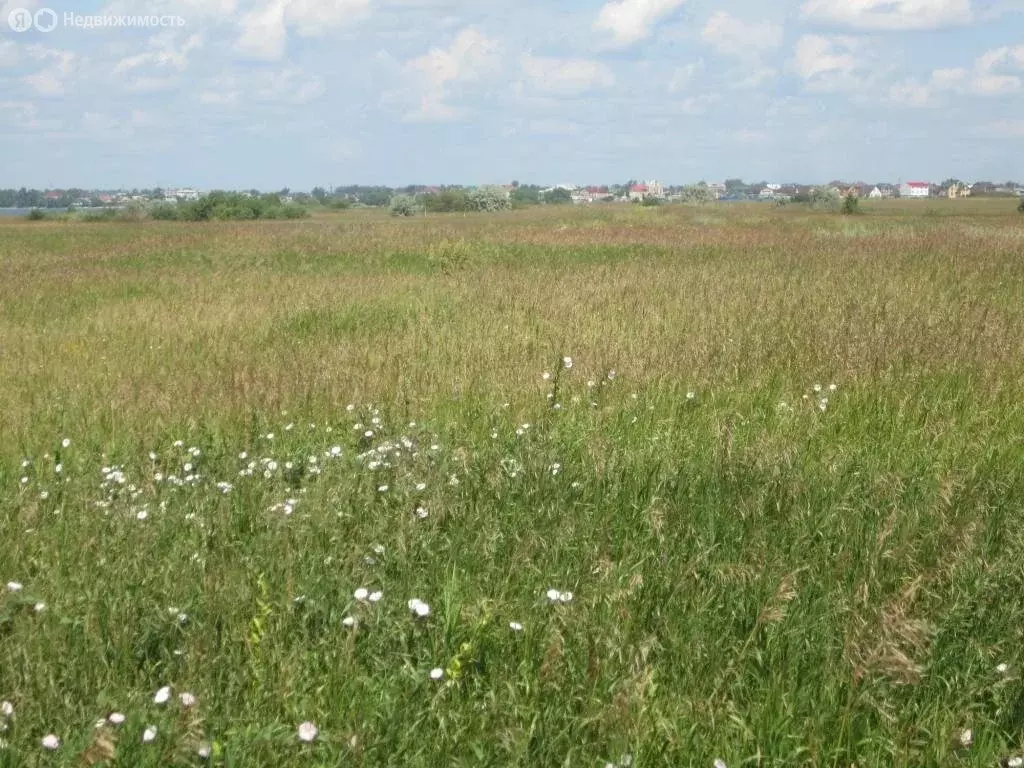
[
  {"x": 187, "y": 467},
  {"x": 179, "y": 444},
  {"x": 308, "y": 732},
  {"x": 39, "y": 607},
  {"x": 51, "y": 742},
  {"x": 567, "y": 362},
  {"x": 204, "y": 750},
  {"x": 59, "y": 468},
  {"x": 1015, "y": 762},
  {"x": 720, "y": 763},
  {"x": 361, "y": 594},
  {"x": 515, "y": 626},
  {"x": 14, "y": 586},
  {"x": 375, "y": 597},
  {"x": 270, "y": 435},
  {"x": 349, "y": 622},
  {"x": 243, "y": 456},
  {"x": 116, "y": 718},
  {"x": 419, "y": 608},
  {"x": 44, "y": 495},
  {"x": 966, "y": 737},
  {"x": 187, "y": 700},
  {"x": 421, "y": 513},
  {"x": 545, "y": 375},
  {"x": 272, "y": 466},
  {"x": 557, "y": 596},
  {"x": 832, "y": 387},
  {"x": 336, "y": 450},
  {"x": 350, "y": 407},
  {"x": 368, "y": 433},
  {"x": 823, "y": 405},
  {"x": 691, "y": 395},
  {"x": 817, "y": 387},
  {"x": 382, "y": 488},
  {"x": 421, "y": 486},
  {"x": 141, "y": 514},
  {"x": 163, "y": 695},
  {"x": 6, "y": 709},
  {"x": 591, "y": 384},
  {"x": 436, "y": 673},
  {"x": 149, "y": 735},
  {"x": 65, "y": 443},
  {"x": 1002, "y": 669},
  {"x": 24, "y": 481}
]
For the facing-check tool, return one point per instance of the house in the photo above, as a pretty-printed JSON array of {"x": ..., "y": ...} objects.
[
  {"x": 718, "y": 190},
  {"x": 915, "y": 189},
  {"x": 638, "y": 191},
  {"x": 958, "y": 190},
  {"x": 875, "y": 194}
]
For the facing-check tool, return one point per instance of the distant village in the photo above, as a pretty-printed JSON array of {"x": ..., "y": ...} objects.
[{"x": 525, "y": 194}]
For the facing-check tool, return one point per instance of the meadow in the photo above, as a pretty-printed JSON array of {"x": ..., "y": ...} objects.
[{"x": 614, "y": 486}]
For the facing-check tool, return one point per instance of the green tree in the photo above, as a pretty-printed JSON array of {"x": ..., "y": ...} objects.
[
  {"x": 558, "y": 196},
  {"x": 403, "y": 205}
]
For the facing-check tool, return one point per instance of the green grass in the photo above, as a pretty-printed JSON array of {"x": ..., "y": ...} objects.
[{"x": 757, "y": 575}]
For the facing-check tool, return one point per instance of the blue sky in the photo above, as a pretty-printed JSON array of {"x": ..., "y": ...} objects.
[{"x": 298, "y": 93}]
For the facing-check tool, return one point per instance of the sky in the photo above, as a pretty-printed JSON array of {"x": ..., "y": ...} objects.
[{"x": 236, "y": 94}]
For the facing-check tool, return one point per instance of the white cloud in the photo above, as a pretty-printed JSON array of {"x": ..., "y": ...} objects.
[
  {"x": 50, "y": 80},
  {"x": 991, "y": 75},
  {"x": 566, "y": 77},
  {"x": 831, "y": 63},
  {"x": 629, "y": 21},
  {"x": 735, "y": 37},
  {"x": 471, "y": 56},
  {"x": 263, "y": 32},
  {"x": 889, "y": 14},
  {"x": 163, "y": 53}
]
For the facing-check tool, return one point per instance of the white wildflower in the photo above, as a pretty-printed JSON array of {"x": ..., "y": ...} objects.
[
  {"x": 567, "y": 362},
  {"x": 349, "y": 622},
  {"x": 187, "y": 700},
  {"x": 421, "y": 513},
  {"x": 163, "y": 695},
  {"x": 720, "y": 763},
  {"x": 65, "y": 443},
  {"x": 39, "y": 607},
  {"x": 515, "y": 626},
  {"x": 116, "y": 718},
  {"x": 6, "y": 709},
  {"x": 204, "y": 750},
  {"x": 419, "y": 608},
  {"x": 149, "y": 735},
  {"x": 1002, "y": 669},
  {"x": 966, "y": 737},
  {"x": 14, "y": 586},
  {"x": 51, "y": 742},
  {"x": 361, "y": 594},
  {"x": 308, "y": 732},
  {"x": 375, "y": 597},
  {"x": 545, "y": 376},
  {"x": 421, "y": 486},
  {"x": 436, "y": 673}
]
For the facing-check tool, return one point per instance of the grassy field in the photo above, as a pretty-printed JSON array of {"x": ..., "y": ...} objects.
[{"x": 677, "y": 485}]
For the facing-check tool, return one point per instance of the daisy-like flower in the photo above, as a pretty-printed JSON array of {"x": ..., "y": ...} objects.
[
  {"x": 204, "y": 750},
  {"x": 59, "y": 468},
  {"x": 6, "y": 709},
  {"x": 817, "y": 387},
  {"x": 966, "y": 737},
  {"x": 187, "y": 700},
  {"x": 567, "y": 362},
  {"x": 691, "y": 395},
  {"x": 308, "y": 732},
  {"x": 349, "y": 622},
  {"x": 515, "y": 626},
  {"x": 1002, "y": 669},
  {"x": 421, "y": 486},
  {"x": 1015, "y": 762},
  {"x": 436, "y": 673},
  {"x": 553, "y": 595},
  {"x": 375, "y": 597},
  {"x": 557, "y": 596},
  {"x": 421, "y": 513},
  {"x": 149, "y": 735},
  {"x": 14, "y": 586},
  {"x": 163, "y": 695},
  {"x": 116, "y": 718},
  {"x": 382, "y": 488},
  {"x": 361, "y": 594},
  {"x": 65, "y": 443},
  {"x": 39, "y": 607},
  {"x": 51, "y": 742},
  {"x": 720, "y": 763},
  {"x": 419, "y": 608},
  {"x": 545, "y": 376}
]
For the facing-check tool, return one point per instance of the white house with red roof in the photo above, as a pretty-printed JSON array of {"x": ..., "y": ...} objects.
[{"x": 915, "y": 189}]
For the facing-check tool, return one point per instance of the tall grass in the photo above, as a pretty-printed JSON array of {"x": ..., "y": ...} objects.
[{"x": 775, "y": 461}]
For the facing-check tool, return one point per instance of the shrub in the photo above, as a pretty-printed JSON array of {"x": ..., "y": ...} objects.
[
  {"x": 1020, "y": 208},
  {"x": 851, "y": 205},
  {"x": 164, "y": 212},
  {"x": 36, "y": 215},
  {"x": 448, "y": 201},
  {"x": 650, "y": 202},
  {"x": 824, "y": 199},
  {"x": 696, "y": 194},
  {"x": 488, "y": 199},
  {"x": 403, "y": 205},
  {"x": 95, "y": 217}
]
